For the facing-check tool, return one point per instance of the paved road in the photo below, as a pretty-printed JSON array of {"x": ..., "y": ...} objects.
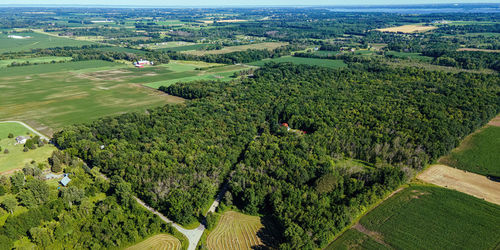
[{"x": 28, "y": 127}]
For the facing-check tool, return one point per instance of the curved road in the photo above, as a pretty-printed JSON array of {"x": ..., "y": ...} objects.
[{"x": 28, "y": 127}]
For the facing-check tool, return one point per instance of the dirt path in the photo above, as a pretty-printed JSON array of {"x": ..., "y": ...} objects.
[
  {"x": 376, "y": 236},
  {"x": 28, "y": 127},
  {"x": 466, "y": 182}
]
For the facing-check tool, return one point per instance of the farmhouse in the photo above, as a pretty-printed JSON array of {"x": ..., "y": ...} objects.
[
  {"x": 141, "y": 63},
  {"x": 22, "y": 139}
]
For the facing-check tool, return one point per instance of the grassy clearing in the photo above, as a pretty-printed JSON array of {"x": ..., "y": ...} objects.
[
  {"x": 429, "y": 217},
  {"x": 236, "y": 231},
  {"x": 406, "y": 55},
  {"x": 354, "y": 239},
  {"x": 122, "y": 49},
  {"x": 46, "y": 59},
  {"x": 408, "y": 29},
  {"x": 159, "y": 241},
  {"x": 50, "y": 101},
  {"x": 482, "y": 50},
  {"x": 36, "y": 41},
  {"x": 301, "y": 60},
  {"x": 186, "y": 47},
  {"x": 258, "y": 46},
  {"x": 16, "y": 158},
  {"x": 478, "y": 153}
]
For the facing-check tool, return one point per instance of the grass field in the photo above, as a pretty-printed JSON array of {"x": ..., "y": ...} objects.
[
  {"x": 16, "y": 158},
  {"x": 185, "y": 47},
  {"x": 408, "y": 29},
  {"x": 159, "y": 241},
  {"x": 122, "y": 49},
  {"x": 418, "y": 56},
  {"x": 482, "y": 50},
  {"x": 46, "y": 59},
  {"x": 50, "y": 96},
  {"x": 426, "y": 217},
  {"x": 478, "y": 153},
  {"x": 236, "y": 231},
  {"x": 301, "y": 60},
  {"x": 37, "y": 41},
  {"x": 224, "y": 50}
]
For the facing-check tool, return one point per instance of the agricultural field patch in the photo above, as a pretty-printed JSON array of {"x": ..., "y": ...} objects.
[
  {"x": 482, "y": 50},
  {"x": 16, "y": 158},
  {"x": 408, "y": 29},
  {"x": 238, "y": 231},
  {"x": 258, "y": 46},
  {"x": 463, "y": 181},
  {"x": 191, "y": 47},
  {"x": 478, "y": 153},
  {"x": 122, "y": 49},
  {"x": 31, "y": 40},
  {"x": 49, "y": 101},
  {"x": 418, "y": 56},
  {"x": 27, "y": 71},
  {"x": 159, "y": 241},
  {"x": 427, "y": 217},
  {"x": 45, "y": 59},
  {"x": 301, "y": 60}
]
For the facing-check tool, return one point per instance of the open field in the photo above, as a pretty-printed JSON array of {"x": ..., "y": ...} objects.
[
  {"x": 408, "y": 29},
  {"x": 45, "y": 59},
  {"x": 236, "y": 231},
  {"x": 482, "y": 50},
  {"x": 36, "y": 41},
  {"x": 301, "y": 60},
  {"x": 479, "y": 152},
  {"x": 408, "y": 55},
  {"x": 49, "y": 98},
  {"x": 258, "y": 46},
  {"x": 190, "y": 47},
  {"x": 159, "y": 241},
  {"x": 16, "y": 158},
  {"x": 426, "y": 217},
  {"x": 466, "y": 182}
]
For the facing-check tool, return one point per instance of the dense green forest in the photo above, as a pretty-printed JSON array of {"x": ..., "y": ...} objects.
[{"x": 393, "y": 120}]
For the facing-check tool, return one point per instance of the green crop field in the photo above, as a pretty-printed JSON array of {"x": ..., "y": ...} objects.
[
  {"x": 50, "y": 96},
  {"x": 36, "y": 41},
  {"x": 478, "y": 153},
  {"x": 122, "y": 49},
  {"x": 159, "y": 241},
  {"x": 16, "y": 158},
  {"x": 427, "y": 217},
  {"x": 45, "y": 59},
  {"x": 301, "y": 60},
  {"x": 186, "y": 47}
]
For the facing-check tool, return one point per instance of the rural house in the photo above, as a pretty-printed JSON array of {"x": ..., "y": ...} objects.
[
  {"x": 65, "y": 180},
  {"x": 22, "y": 139},
  {"x": 141, "y": 63}
]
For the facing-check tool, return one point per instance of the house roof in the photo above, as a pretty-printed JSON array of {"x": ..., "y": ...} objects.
[{"x": 65, "y": 180}]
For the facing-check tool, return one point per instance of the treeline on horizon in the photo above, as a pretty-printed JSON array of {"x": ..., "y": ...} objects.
[{"x": 392, "y": 122}]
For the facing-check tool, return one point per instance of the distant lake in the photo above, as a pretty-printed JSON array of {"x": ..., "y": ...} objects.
[{"x": 419, "y": 9}]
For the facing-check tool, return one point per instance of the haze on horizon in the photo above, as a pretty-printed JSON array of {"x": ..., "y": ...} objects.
[{"x": 234, "y": 2}]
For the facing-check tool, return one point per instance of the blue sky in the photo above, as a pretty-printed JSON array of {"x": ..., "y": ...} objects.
[{"x": 232, "y": 2}]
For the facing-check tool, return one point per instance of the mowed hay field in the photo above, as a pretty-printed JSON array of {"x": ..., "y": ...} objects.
[
  {"x": 258, "y": 46},
  {"x": 158, "y": 242},
  {"x": 51, "y": 96},
  {"x": 37, "y": 41},
  {"x": 237, "y": 231},
  {"x": 478, "y": 153},
  {"x": 302, "y": 60},
  {"x": 16, "y": 158},
  {"x": 426, "y": 217},
  {"x": 408, "y": 29}
]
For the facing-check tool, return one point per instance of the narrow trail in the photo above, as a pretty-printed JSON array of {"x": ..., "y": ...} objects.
[{"x": 28, "y": 127}]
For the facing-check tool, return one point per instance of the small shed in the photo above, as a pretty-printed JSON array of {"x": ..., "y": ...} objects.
[
  {"x": 65, "y": 180},
  {"x": 22, "y": 139}
]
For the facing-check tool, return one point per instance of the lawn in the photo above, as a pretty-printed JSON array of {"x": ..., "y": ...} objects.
[
  {"x": 16, "y": 158},
  {"x": 427, "y": 217},
  {"x": 238, "y": 231},
  {"x": 478, "y": 153},
  {"x": 74, "y": 92},
  {"x": 301, "y": 60},
  {"x": 36, "y": 41}
]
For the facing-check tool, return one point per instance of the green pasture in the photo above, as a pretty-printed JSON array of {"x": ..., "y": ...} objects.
[
  {"x": 50, "y": 96},
  {"x": 418, "y": 56},
  {"x": 301, "y": 60},
  {"x": 186, "y": 47},
  {"x": 427, "y": 217},
  {"x": 122, "y": 49},
  {"x": 37, "y": 41},
  {"x": 45, "y": 59},
  {"x": 478, "y": 153},
  {"x": 16, "y": 158}
]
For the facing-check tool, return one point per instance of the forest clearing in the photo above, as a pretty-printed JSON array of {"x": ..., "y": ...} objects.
[{"x": 408, "y": 29}]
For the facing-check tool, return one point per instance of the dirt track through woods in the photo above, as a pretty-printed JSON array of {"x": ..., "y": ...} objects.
[{"x": 466, "y": 182}]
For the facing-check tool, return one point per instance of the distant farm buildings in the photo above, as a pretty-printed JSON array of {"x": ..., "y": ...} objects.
[
  {"x": 141, "y": 63},
  {"x": 18, "y": 37},
  {"x": 22, "y": 139}
]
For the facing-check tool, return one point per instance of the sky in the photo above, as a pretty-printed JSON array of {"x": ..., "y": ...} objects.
[{"x": 233, "y": 2}]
